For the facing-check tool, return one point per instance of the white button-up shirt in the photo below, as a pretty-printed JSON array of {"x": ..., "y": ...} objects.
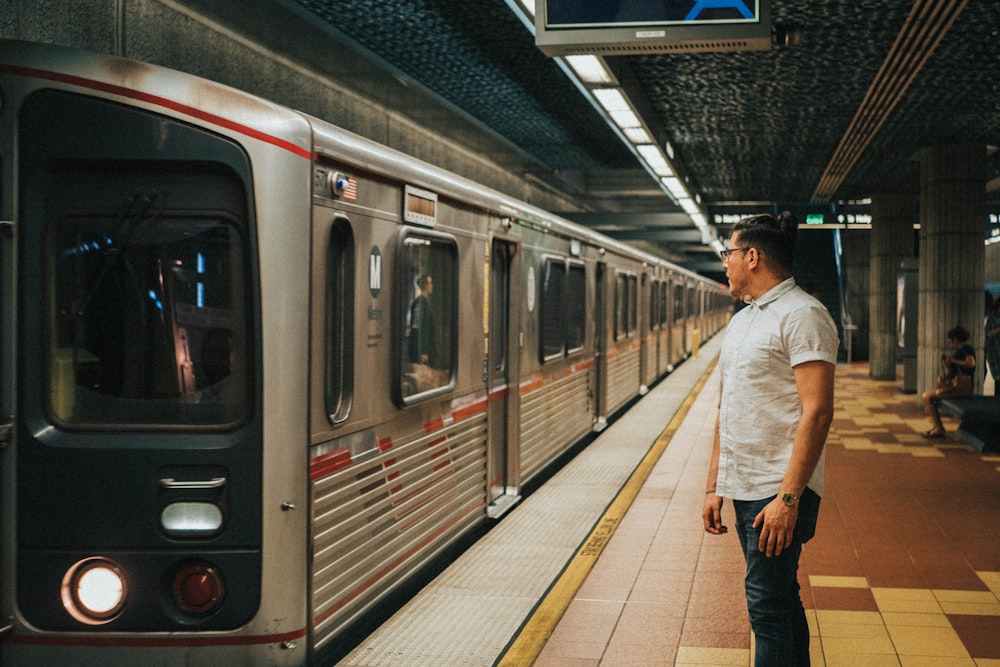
[{"x": 760, "y": 407}]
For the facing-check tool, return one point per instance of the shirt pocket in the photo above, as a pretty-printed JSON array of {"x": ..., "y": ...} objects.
[{"x": 755, "y": 361}]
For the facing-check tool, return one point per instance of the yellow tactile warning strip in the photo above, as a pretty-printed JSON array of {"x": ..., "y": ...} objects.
[{"x": 539, "y": 626}]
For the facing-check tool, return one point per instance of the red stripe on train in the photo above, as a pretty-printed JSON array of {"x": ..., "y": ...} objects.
[
  {"x": 330, "y": 462},
  {"x": 161, "y": 102},
  {"x": 470, "y": 410}
]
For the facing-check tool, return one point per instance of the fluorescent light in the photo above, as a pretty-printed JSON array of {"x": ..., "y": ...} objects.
[
  {"x": 625, "y": 119},
  {"x": 675, "y": 187},
  {"x": 590, "y": 69},
  {"x": 688, "y": 205},
  {"x": 654, "y": 158},
  {"x": 638, "y": 135},
  {"x": 611, "y": 99}
]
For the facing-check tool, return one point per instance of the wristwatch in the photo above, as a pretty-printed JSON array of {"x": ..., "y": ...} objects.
[{"x": 789, "y": 499}]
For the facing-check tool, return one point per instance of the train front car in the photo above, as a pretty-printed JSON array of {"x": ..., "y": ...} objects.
[{"x": 143, "y": 464}]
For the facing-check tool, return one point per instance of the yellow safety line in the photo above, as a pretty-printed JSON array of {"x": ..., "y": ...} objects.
[{"x": 538, "y": 628}]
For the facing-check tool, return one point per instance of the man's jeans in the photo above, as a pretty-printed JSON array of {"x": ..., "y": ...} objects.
[{"x": 772, "y": 587}]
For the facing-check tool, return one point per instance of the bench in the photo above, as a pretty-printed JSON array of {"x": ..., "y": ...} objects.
[{"x": 979, "y": 420}]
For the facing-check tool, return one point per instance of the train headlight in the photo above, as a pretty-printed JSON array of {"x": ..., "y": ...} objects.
[
  {"x": 198, "y": 589},
  {"x": 94, "y": 591}
]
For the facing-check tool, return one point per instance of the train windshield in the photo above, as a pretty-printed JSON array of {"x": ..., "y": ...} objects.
[{"x": 146, "y": 318}]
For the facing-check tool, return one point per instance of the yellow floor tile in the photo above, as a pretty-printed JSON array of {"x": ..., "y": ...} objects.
[
  {"x": 813, "y": 623},
  {"x": 928, "y": 661},
  {"x": 825, "y": 616},
  {"x": 859, "y": 660},
  {"x": 918, "y": 620},
  {"x": 971, "y": 608},
  {"x": 837, "y": 582},
  {"x": 885, "y": 448},
  {"x": 694, "y": 655},
  {"x": 923, "y": 641},
  {"x": 864, "y": 631},
  {"x": 857, "y": 443},
  {"x": 878, "y": 644},
  {"x": 914, "y": 600},
  {"x": 992, "y": 581},
  {"x": 977, "y": 597}
]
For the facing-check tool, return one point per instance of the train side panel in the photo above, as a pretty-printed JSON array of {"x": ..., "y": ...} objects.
[{"x": 398, "y": 463}]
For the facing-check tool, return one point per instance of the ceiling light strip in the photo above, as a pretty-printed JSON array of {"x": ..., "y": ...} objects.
[
  {"x": 924, "y": 28},
  {"x": 893, "y": 81},
  {"x": 876, "y": 104},
  {"x": 879, "y": 102}
]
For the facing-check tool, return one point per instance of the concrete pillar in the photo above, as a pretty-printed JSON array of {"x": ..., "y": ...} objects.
[
  {"x": 856, "y": 248},
  {"x": 892, "y": 240},
  {"x": 952, "y": 254}
]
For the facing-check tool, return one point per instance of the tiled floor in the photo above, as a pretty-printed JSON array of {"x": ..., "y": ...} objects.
[{"x": 904, "y": 569}]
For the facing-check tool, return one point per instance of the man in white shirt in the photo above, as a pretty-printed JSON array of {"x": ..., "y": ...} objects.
[{"x": 777, "y": 366}]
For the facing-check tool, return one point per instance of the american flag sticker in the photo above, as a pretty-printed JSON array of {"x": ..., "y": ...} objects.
[{"x": 350, "y": 188}]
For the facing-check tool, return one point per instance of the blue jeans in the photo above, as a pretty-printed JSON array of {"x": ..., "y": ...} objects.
[{"x": 772, "y": 587}]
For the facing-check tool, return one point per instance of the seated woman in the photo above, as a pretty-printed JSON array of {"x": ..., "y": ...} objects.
[{"x": 956, "y": 380}]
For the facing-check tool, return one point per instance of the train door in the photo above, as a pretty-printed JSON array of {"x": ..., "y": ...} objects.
[
  {"x": 502, "y": 472},
  {"x": 6, "y": 405},
  {"x": 647, "y": 350},
  {"x": 600, "y": 344}
]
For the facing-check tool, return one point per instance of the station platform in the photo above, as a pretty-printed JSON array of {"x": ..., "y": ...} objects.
[{"x": 608, "y": 565}]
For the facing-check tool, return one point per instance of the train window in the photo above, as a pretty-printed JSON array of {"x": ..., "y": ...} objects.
[
  {"x": 625, "y": 305},
  {"x": 654, "y": 302},
  {"x": 678, "y": 303},
  {"x": 563, "y": 313},
  {"x": 428, "y": 269},
  {"x": 339, "y": 314},
  {"x": 553, "y": 311},
  {"x": 663, "y": 303},
  {"x": 576, "y": 307},
  {"x": 633, "y": 305},
  {"x": 147, "y": 317}
]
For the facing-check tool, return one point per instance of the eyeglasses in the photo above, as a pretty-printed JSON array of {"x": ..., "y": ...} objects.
[{"x": 729, "y": 251}]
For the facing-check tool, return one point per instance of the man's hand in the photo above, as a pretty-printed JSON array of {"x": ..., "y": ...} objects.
[
  {"x": 711, "y": 514},
  {"x": 777, "y": 526}
]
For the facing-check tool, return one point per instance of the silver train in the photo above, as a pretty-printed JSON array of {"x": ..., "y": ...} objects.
[{"x": 257, "y": 371}]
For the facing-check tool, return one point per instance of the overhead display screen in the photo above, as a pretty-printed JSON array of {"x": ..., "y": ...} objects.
[
  {"x": 597, "y": 13},
  {"x": 610, "y": 27}
]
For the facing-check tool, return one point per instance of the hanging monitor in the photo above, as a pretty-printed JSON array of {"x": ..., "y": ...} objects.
[{"x": 634, "y": 27}]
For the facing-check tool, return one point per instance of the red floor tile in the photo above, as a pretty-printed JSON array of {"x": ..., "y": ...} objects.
[{"x": 980, "y": 634}]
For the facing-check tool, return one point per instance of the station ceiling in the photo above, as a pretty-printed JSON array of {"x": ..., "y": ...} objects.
[{"x": 837, "y": 115}]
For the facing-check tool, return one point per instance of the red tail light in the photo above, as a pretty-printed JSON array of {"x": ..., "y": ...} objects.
[{"x": 198, "y": 589}]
